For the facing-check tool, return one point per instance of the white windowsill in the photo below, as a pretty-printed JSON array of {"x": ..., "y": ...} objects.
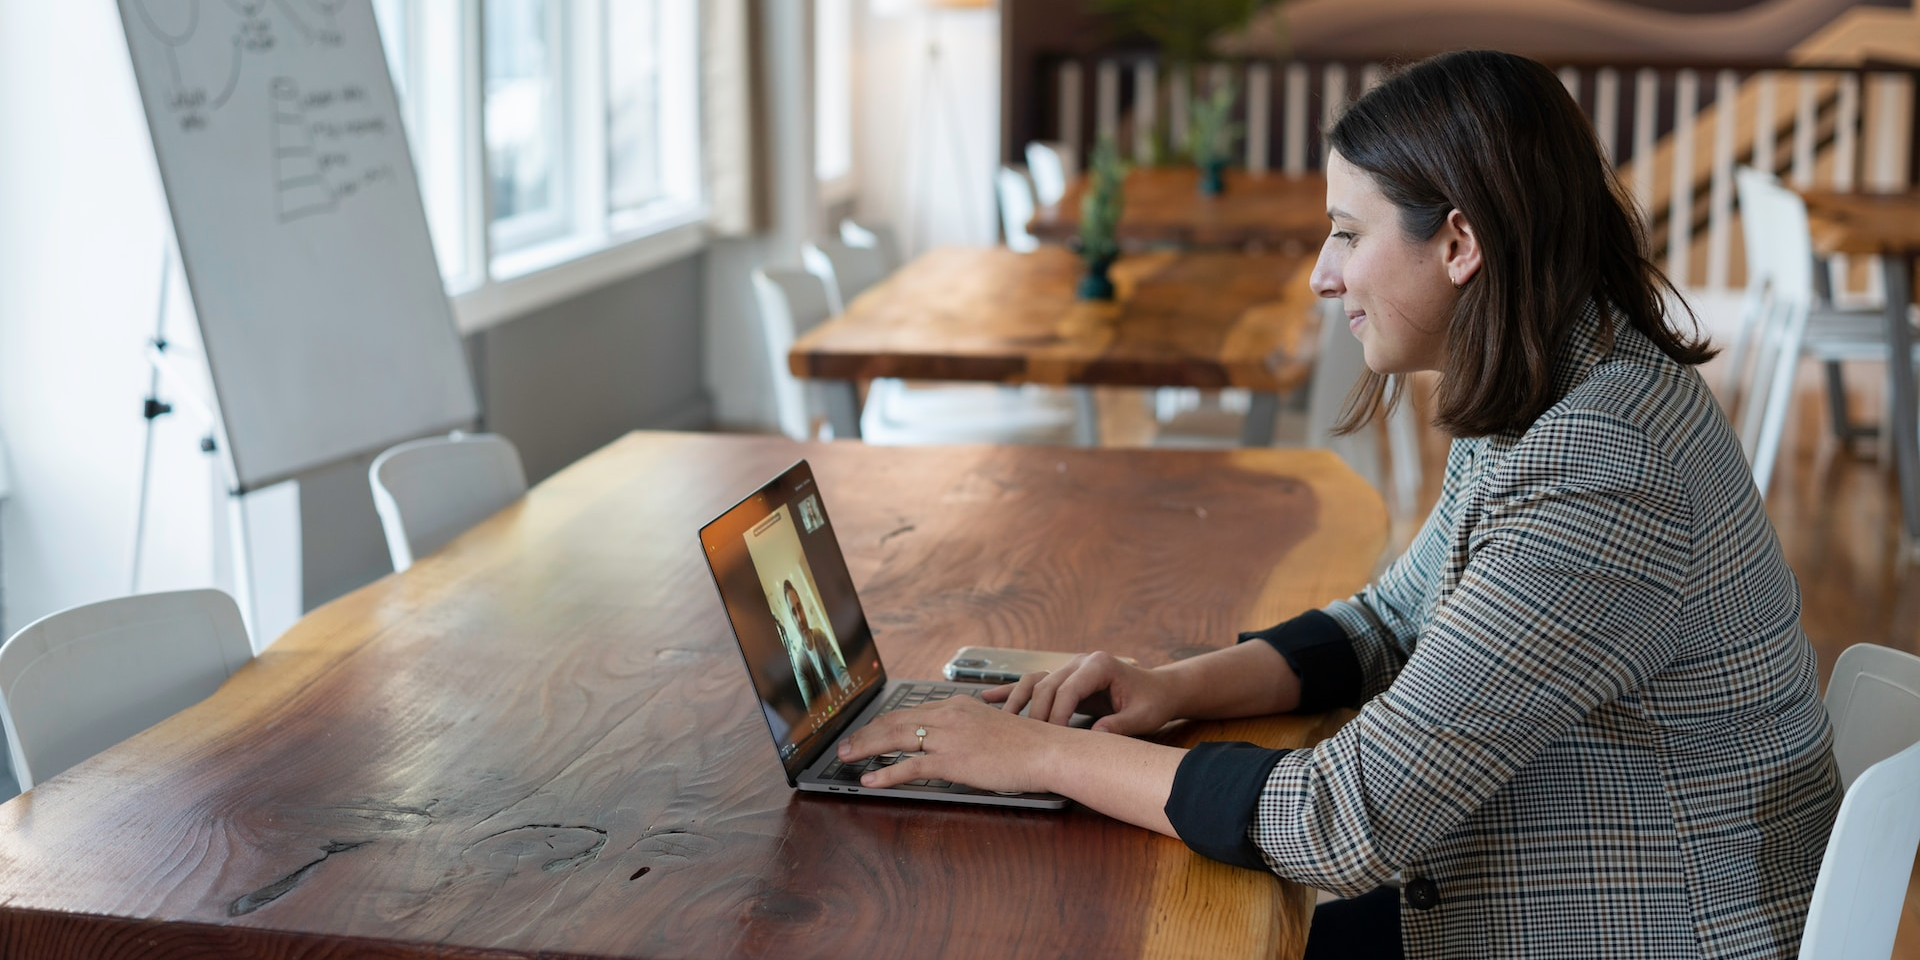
[{"x": 541, "y": 276}]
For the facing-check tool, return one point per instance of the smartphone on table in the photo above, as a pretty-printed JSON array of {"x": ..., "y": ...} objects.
[{"x": 1003, "y": 664}]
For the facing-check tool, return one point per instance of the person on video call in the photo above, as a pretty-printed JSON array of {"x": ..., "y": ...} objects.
[
  {"x": 815, "y": 646},
  {"x": 806, "y": 673},
  {"x": 1588, "y": 719}
]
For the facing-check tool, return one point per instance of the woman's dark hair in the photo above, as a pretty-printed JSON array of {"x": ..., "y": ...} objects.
[{"x": 1496, "y": 137}]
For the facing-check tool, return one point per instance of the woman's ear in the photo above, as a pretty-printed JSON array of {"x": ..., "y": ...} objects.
[{"x": 1462, "y": 249}]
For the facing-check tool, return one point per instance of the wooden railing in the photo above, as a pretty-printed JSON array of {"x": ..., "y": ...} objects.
[{"x": 1674, "y": 132}]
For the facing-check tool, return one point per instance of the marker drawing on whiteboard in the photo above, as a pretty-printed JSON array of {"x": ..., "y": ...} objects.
[
  {"x": 184, "y": 102},
  {"x": 300, "y": 188},
  {"x": 183, "y": 25},
  {"x": 327, "y": 34}
]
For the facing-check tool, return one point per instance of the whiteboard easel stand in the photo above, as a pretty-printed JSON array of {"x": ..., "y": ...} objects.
[
  {"x": 152, "y": 410},
  {"x": 233, "y": 532}
]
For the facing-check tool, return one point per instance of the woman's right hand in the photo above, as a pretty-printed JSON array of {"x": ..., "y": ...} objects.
[{"x": 1127, "y": 698}]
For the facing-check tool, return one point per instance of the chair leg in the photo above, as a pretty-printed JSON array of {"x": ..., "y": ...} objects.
[
  {"x": 1844, "y": 429},
  {"x": 1403, "y": 447},
  {"x": 1263, "y": 409},
  {"x": 1086, "y": 426}
]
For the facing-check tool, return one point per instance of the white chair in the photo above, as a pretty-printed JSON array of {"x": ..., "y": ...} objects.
[
  {"x": 845, "y": 269},
  {"x": 1017, "y": 207},
  {"x": 876, "y": 236},
  {"x": 793, "y": 302},
  {"x": 79, "y": 681},
  {"x": 430, "y": 491},
  {"x": 1873, "y": 698},
  {"x": 1050, "y": 163},
  {"x": 1774, "y": 312},
  {"x": 1856, "y": 905},
  {"x": 1783, "y": 321}
]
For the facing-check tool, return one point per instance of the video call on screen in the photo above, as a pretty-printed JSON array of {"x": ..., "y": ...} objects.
[{"x": 792, "y": 604}]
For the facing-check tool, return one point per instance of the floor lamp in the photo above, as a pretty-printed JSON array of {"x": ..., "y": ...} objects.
[{"x": 933, "y": 109}]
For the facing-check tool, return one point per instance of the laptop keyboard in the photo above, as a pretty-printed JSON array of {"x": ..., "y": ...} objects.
[{"x": 908, "y": 695}]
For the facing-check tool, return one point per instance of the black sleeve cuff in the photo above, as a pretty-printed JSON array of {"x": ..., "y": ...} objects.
[
  {"x": 1322, "y": 657},
  {"x": 1215, "y": 794}
]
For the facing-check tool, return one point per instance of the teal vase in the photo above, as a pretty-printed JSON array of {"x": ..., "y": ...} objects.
[
  {"x": 1096, "y": 284},
  {"x": 1213, "y": 179}
]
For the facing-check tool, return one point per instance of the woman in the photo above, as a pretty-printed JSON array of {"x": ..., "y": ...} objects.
[
  {"x": 830, "y": 672},
  {"x": 1588, "y": 719}
]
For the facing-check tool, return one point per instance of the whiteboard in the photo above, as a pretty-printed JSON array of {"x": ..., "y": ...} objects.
[{"x": 300, "y": 228}]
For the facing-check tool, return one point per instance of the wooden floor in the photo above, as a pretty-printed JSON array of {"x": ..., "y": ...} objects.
[{"x": 1838, "y": 516}]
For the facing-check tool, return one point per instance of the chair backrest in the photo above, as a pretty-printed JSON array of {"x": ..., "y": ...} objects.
[
  {"x": 1050, "y": 163},
  {"x": 875, "y": 236},
  {"x": 792, "y": 302},
  {"x": 846, "y": 270},
  {"x": 1856, "y": 904},
  {"x": 1338, "y": 364},
  {"x": 1016, "y": 209},
  {"x": 1874, "y": 700},
  {"x": 430, "y": 491},
  {"x": 79, "y": 681},
  {"x": 1774, "y": 314}
]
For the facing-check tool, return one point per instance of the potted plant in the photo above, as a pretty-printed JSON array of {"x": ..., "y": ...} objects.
[
  {"x": 1099, "y": 241},
  {"x": 1184, "y": 30},
  {"x": 1211, "y": 133}
]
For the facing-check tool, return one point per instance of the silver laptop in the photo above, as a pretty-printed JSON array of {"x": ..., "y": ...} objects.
[{"x": 807, "y": 645}]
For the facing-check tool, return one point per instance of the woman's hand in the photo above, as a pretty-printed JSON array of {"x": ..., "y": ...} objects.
[
  {"x": 1127, "y": 698},
  {"x": 966, "y": 742}
]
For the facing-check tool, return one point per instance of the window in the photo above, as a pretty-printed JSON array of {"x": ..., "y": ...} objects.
[
  {"x": 525, "y": 121},
  {"x": 833, "y": 95},
  {"x": 652, "y": 109},
  {"x": 547, "y": 131},
  {"x": 425, "y": 51}
]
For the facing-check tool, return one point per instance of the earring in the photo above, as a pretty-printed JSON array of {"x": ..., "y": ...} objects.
[{"x": 1455, "y": 281}]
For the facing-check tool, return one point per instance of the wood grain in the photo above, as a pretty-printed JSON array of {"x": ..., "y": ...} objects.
[
  {"x": 1201, "y": 320},
  {"x": 540, "y": 742},
  {"x": 1165, "y": 205},
  {"x": 1869, "y": 223}
]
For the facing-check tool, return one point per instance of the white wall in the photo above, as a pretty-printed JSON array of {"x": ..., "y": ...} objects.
[
  {"x": 82, "y": 233},
  {"x": 736, "y": 358},
  {"x": 927, "y": 130}
]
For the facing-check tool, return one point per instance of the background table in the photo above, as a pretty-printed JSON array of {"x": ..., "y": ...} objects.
[
  {"x": 1886, "y": 225},
  {"x": 1206, "y": 320},
  {"x": 541, "y": 741},
  {"x": 1165, "y": 205}
]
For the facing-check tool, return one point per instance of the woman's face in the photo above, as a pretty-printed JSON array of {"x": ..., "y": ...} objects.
[
  {"x": 1398, "y": 293},
  {"x": 793, "y": 605}
]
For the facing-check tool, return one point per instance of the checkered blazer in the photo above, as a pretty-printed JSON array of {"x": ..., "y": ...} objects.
[{"x": 1591, "y": 722}]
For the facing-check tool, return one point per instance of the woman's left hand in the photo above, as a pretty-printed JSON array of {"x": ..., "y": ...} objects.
[{"x": 966, "y": 741}]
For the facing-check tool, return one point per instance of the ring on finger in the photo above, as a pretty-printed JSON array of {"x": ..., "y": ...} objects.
[{"x": 921, "y": 732}]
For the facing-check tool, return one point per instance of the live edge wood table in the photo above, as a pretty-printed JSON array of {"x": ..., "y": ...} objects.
[
  {"x": 1886, "y": 225},
  {"x": 540, "y": 742},
  {"x": 1207, "y": 319},
  {"x": 1165, "y": 205}
]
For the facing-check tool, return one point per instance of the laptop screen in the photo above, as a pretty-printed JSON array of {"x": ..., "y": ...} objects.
[{"x": 801, "y": 630}]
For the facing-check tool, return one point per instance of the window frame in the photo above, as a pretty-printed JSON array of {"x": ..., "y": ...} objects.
[
  {"x": 843, "y": 186},
  {"x": 560, "y": 218},
  {"x": 531, "y": 264}
]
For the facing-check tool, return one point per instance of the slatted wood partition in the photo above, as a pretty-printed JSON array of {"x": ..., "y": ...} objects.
[{"x": 1675, "y": 133}]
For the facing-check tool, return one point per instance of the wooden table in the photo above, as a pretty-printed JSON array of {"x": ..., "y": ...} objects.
[
  {"x": 1164, "y": 205},
  {"x": 1886, "y": 225},
  {"x": 1207, "y": 320},
  {"x": 541, "y": 742}
]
